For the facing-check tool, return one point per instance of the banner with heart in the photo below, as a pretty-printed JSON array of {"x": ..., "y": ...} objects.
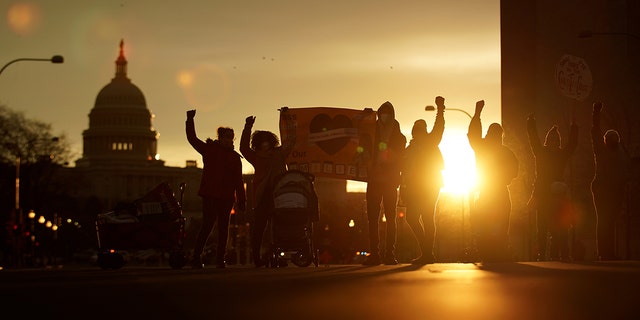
[{"x": 330, "y": 142}]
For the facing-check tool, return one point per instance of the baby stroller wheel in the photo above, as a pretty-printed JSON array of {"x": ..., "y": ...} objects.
[
  {"x": 177, "y": 259},
  {"x": 302, "y": 258}
]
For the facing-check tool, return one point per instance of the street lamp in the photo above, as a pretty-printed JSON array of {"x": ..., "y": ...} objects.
[
  {"x": 18, "y": 211},
  {"x": 432, "y": 108},
  {"x": 54, "y": 59}
]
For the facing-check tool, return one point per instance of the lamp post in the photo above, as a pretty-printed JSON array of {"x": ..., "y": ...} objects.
[
  {"x": 432, "y": 108},
  {"x": 54, "y": 59}
]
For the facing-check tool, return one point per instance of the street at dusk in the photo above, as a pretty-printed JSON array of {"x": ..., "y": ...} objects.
[
  {"x": 532, "y": 290},
  {"x": 360, "y": 160}
]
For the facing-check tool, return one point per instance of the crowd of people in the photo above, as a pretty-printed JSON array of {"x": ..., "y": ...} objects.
[{"x": 413, "y": 173}]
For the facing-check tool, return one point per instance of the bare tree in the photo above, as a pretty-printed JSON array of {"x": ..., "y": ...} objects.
[{"x": 30, "y": 140}]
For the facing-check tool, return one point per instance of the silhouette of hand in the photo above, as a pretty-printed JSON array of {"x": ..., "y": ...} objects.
[
  {"x": 597, "y": 106},
  {"x": 191, "y": 114},
  {"x": 250, "y": 120},
  {"x": 440, "y": 102},
  {"x": 479, "y": 106}
]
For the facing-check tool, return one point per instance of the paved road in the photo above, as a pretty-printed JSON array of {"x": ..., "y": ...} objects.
[{"x": 536, "y": 290}]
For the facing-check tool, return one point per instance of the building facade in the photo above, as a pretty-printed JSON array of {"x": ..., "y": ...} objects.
[{"x": 558, "y": 58}]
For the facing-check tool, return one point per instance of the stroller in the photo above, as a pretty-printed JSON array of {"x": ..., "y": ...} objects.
[
  {"x": 154, "y": 221},
  {"x": 296, "y": 209}
]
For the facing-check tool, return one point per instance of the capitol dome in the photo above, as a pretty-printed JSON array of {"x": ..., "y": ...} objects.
[
  {"x": 120, "y": 124},
  {"x": 120, "y": 92}
]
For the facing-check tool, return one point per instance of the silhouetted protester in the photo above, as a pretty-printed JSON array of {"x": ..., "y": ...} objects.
[
  {"x": 422, "y": 180},
  {"x": 497, "y": 166},
  {"x": 608, "y": 185},
  {"x": 221, "y": 185},
  {"x": 262, "y": 149},
  {"x": 383, "y": 182},
  {"x": 550, "y": 196}
]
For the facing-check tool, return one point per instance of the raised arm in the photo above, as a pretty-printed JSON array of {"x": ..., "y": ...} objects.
[
  {"x": 474, "y": 133},
  {"x": 190, "y": 127},
  {"x": 245, "y": 140},
  {"x": 532, "y": 133},
  {"x": 438, "y": 127}
]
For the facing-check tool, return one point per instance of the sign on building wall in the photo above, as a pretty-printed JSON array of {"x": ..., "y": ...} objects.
[
  {"x": 573, "y": 77},
  {"x": 330, "y": 142}
]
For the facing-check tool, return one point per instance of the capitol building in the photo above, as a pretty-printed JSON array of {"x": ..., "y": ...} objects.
[{"x": 119, "y": 160}]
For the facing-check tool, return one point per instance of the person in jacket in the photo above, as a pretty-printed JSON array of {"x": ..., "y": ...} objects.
[
  {"x": 422, "y": 180},
  {"x": 550, "y": 191},
  {"x": 497, "y": 166},
  {"x": 383, "y": 182},
  {"x": 609, "y": 183},
  {"x": 262, "y": 149},
  {"x": 220, "y": 186}
]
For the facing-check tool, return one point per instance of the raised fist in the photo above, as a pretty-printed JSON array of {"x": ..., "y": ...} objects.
[
  {"x": 479, "y": 106},
  {"x": 440, "y": 102},
  {"x": 250, "y": 120},
  {"x": 191, "y": 114}
]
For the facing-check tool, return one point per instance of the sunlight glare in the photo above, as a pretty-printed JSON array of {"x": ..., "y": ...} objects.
[
  {"x": 185, "y": 79},
  {"x": 459, "y": 174},
  {"x": 206, "y": 86},
  {"x": 23, "y": 18},
  {"x": 459, "y": 160}
]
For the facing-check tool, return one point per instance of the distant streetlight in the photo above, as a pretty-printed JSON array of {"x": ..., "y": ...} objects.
[
  {"x": 432, "y": 108},
  {"x": 54, "y": 59},
  {"x": 18, "y": 211},
  {"x": 589, "y": 34}
]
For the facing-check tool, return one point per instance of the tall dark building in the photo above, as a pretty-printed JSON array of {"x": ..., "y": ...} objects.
[{"x": 558, "y": 57}]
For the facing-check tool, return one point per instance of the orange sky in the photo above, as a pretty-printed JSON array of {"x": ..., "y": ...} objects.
[{"x": 231, "y": 59}]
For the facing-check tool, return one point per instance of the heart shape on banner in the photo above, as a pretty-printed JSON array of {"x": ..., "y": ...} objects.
[{"x": 324, "y": 123}]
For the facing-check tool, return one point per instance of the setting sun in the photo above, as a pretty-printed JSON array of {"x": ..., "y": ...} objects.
[
  {"x": 459, "y": 173},
  {"x": 459, "y": 161}
]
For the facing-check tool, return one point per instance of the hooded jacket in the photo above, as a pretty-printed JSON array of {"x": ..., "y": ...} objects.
[
  {"x": 550, "y": 162},
  {"x": 222, "y": 169},
  {"x": 388, "y": 150}
]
